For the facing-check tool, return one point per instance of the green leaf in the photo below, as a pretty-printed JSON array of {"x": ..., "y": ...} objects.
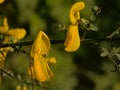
[
  {"x": 104, "y": 52},
  {"x": 118, "y": 56},
  {"x": 93, "y": 27}
]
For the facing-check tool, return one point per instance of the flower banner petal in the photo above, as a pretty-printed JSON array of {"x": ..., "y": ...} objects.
[
  {"x": 41, "y": 44},
  {"x": 75, "y": 12}
]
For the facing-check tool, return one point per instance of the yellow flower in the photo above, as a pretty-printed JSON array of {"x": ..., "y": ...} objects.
[
  {"x": 40, "y": 69},
  {"x": 41, "y": 44},
  {"x": 17, "y": 33},
  {"x": 1, "y": 1},
  {"x": 75, "y": 12},
  {"x": 72, "y": 41},
  {"x": 9, "y": 36}
]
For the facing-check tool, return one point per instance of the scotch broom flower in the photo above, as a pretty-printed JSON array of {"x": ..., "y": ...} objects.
[
  {"x": 9, "y": 36},
  {"x": 72, "y": 41},
  {"x": 16, "y": 34},
  {"x": 75, "y": 12},
  {"x": 40, "y": 69}
]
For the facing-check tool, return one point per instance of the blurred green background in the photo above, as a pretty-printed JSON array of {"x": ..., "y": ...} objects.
[{"x": 81, "y": 70}]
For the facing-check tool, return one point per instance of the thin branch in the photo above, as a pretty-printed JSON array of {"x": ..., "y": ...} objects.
[
  {"x": 14, "y": 76},
  {"x": 28, "y": 43},
  {"x": 59, "y": 42},
  {"x": 100, "y": 40},
  {"x": 84, "y": 34},
  {"x": 110, "y": 57}
]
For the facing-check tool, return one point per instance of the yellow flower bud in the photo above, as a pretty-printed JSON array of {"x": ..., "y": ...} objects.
[
  {"x": 72, "y": 41},
  {"x": 75, "y": 12}
]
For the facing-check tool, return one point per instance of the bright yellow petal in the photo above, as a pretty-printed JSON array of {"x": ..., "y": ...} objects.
[
  {"x": 2, "y": 60},
  {"x": 72, "y": 41},
  {"x": 5, "y": 27},
  {"x": 1, "y": 1},
  {"x": 41, "y": 44},
  {"x": 31, "y": 72},
  {"x": 3, "y": 54},
  {"x": 52, "y": 60},
  {"x": 75, "y": 12},
  {"x": 42, "y": 70},
  {"x": 5, "y": 24},
  {"x": 17, "y": 33}
]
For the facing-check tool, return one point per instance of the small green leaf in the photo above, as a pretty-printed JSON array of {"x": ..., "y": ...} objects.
[
  {"x": 118, "y": 56},
  {"x": 103, "y": 54},
  {"x": 93, "y": 27}
]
